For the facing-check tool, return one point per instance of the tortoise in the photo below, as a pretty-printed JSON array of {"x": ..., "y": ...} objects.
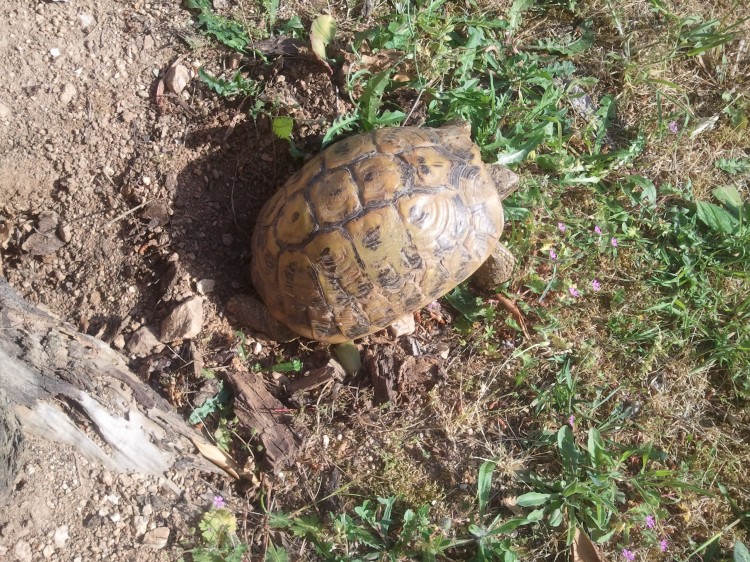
[{"x": 376, "y": 227}]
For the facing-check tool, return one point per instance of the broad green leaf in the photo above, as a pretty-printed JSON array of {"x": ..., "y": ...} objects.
[
  {"x": 556, "y": 517},
  {"x": 211, "y": 405},
  {"x": 276, "y": 554},
  {"x": 648, "y": 187},
  {"x": 534, "y": 516},
  {"x": 532, "y": 499},
  {"x": 741, "y": 553},
  {"x": 509, "y": 526},
  {"x": 321, "y": 34},
  {"x": 716, "y": 218},
  {"x": 596, "y": 448},
  {"x": 567, "y": 449},
  {"x": 484, "y": 485},
  {"x": 282, "y": 127},
  {"x": 372, "y": 96},
  {"x": 295, "y": 365},
  {"x": 733, "y": 165},
  {"x": 514, "y": 14},
  {"x": 340, "y": 125},
  {"x": 730, "y": 197}
]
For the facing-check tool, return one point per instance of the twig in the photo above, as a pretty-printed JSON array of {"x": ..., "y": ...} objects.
[{"x": 128, "y": 212}]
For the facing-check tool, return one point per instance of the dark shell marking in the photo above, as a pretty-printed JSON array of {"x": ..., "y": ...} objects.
[{"x": 376, "y": 226}]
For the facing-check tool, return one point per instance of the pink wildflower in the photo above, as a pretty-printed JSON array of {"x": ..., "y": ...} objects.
[
  {"x": 219, "y": 502},
  {"x": 561, "y": 227},
  {"x": 552, "y": 255},
  {"x": 574, "y": 292},
  {"x": 571, "y": 420},
  {"x": 597, "y": 229},
  {"x": 596, "y": 285},
  {"x": 650, "y": 523},
  {"x": 629, "y": 555},
  {"x": 673, "y": 127},
  {"x": 663, "y": 543},
  {"x": 614, "y": 241}
]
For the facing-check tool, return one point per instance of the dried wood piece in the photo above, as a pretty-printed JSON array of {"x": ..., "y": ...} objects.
[
  {"x": 317, "y": 377},
  {"x": 378, "y": 363},
  {"x": 54, "y": 375},
  {"x": 259, "y": 410}
]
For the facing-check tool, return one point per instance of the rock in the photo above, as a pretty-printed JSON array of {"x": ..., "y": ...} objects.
[
  {"x": 227, "y": 239},
  {"x": 147, "y": 510},
  {"x": 403, "y": 326},
  {"x": 61, "y": 536},
  {"x": 5, "y": 111},
  {"x": 47, "y": 221},
  {"x": 157, "y": 538},
  {"x": 148, "y": 42},
  {"x": 177, "y": 77},
  {"x": 140, "y": 525},
  {"x": 68, "y": 93},
  {"x": 156, "y": 212},
  {"x": 54, "y": 52},
  {"x": 86, "y": 20},
  {"x": 144, "y": 342},
  {"x": 205, "y": 286},
  {"x": 64, "y": 232},
  {"x": 184, "y": 322},
  {"x": 22, "y": 551},
  {"x": 39, "y": 244},
  {"x": 48, "y": 551},
  {"x": 118, "y": 342}
]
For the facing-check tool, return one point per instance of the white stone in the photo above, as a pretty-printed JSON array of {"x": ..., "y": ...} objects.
[
  {"x": 205, "y": 286},
  {"x": 68, "y": 93},
  {"x": 403, "y": 326},
  {"x": 61, "y": 535},
  {"x": 157, "y": 538}
]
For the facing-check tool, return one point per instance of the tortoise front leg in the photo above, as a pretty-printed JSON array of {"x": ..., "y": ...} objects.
[{"x": 496, "y": 270}]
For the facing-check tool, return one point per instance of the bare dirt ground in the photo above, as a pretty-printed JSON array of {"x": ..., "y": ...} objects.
[{"x": 113, "y": 205}]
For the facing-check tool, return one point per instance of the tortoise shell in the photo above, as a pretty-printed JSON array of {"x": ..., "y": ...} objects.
[{"x": 374, "y": 227}]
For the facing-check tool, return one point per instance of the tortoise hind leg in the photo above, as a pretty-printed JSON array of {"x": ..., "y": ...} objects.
[{"x": 496, "y": 270}]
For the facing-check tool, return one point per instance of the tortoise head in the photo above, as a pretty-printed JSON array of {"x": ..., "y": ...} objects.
[{"x": 506, "y": 182}]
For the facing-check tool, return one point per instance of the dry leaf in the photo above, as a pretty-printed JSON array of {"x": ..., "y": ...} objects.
[
  {"x": 583, "y": 550},
  {"x": 218, "y": 457},
  {"x": 321, "y": 34}
]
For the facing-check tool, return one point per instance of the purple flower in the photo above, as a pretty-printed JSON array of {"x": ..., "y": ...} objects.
[
  {"x": 614, "y": 242},
  {"x": 650, "y": 523},
  {"x": 571, "y": 420},
  {"x": 596, "y": 285},
  {"x": 629, "y": 555},
  {"x": 561, "y": 227},
  {"x": 552, "y": 255},
  {"x": 574, "y": 292},
  {"x": 219, "y": 502},
  {"x": 673, "y": 128},
  {"x": 597, "y": 229},
  {"x": 663, "y": 543}
]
